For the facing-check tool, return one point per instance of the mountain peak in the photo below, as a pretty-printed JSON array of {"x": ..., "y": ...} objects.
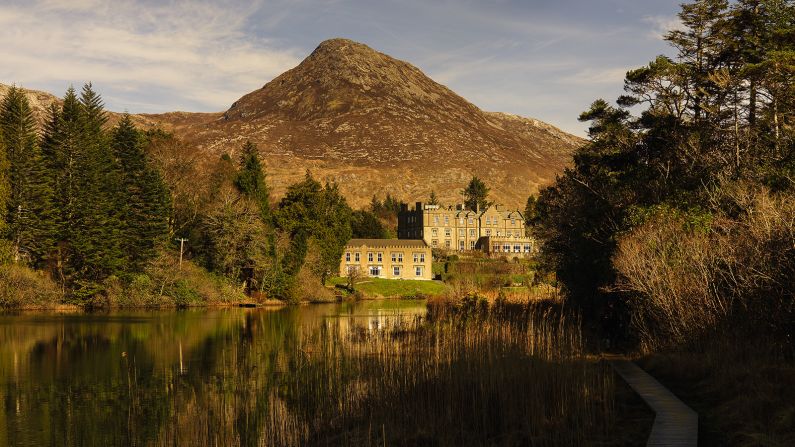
[
  {"x": 342, "y": 76},
  {"x": 342, "y": 45}
]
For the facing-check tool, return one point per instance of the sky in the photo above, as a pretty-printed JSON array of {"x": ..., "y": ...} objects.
[{"x": 543, "y": 59}]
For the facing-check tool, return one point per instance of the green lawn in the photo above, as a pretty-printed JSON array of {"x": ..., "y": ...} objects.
[{"x": 394, "y": 288}]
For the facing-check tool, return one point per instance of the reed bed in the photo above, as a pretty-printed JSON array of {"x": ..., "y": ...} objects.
[{"x": 469, "y": 373}]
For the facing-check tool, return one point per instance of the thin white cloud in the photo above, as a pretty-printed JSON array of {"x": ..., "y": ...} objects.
[
  {"x": 661, "y": 25},
  {"x": 591, "y": 76},
  {"x": 198, "y": 52}
]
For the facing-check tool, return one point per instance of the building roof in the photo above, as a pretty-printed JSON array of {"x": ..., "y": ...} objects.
[{"x": 405, "y": 243}]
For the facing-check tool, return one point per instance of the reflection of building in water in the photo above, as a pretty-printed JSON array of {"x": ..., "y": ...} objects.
[{"x": 375, "y": 321}]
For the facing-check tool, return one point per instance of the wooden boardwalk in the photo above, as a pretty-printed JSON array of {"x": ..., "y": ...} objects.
[{"x": 675, "y": 424}]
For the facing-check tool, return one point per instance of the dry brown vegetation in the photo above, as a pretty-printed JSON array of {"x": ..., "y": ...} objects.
[
  {"x": 22, "y": 287},
  {"x": 472, "y": 374},
  {"x": 691, "y": 278},
  {"x": 714, "y": 310}
]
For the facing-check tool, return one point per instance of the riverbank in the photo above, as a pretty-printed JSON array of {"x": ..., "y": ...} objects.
[{"x": 378, "y": 288}]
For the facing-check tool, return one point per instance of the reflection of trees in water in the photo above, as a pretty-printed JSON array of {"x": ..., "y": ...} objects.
[{"x": 290, "y": 376}]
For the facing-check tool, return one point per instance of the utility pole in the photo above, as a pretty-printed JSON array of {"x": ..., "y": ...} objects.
[{"x": 182, "y": 241}]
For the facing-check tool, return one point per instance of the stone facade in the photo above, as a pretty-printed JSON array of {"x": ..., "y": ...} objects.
[
  {"x": 388, "y": 258},
  {"x": 460, "y": 229}
]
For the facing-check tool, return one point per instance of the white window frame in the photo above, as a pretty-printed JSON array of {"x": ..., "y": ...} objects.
[
  {"x": 347, "y": 256},
  {"x": 357, "y": 257},
  {"x": 369, "y": 256},
  {"x": 395, "y": 270},
  {"x": 418, "y": 270}
]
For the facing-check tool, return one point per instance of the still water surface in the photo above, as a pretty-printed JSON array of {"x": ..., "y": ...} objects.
[{"x": 123, "y": 378}]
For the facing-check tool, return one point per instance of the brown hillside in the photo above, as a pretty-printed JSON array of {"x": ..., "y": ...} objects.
[{"x": 377, "y": 125}]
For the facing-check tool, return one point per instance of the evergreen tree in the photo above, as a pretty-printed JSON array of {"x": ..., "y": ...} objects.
[
  {"x": 476, "y": 194},
  {"x": 433, "y": 200},
  {"x": 365, "y": 224},
  {"x": 309, "y": 210},
  {"x": 250, "y": 180},
  {"x": 5, "y": 184},
  {"x": 60, "y": 147},
  {"x": 530, "y": 211},
  {"x": 715, "y": 113},
  {"x": 96, "y": 226},
  {"x": 144, "y": 201},
  {"x": 30, "y": 212}
]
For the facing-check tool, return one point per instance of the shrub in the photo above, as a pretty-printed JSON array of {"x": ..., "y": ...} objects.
[
  {"x": 688, "y": 279},
  {"x": 22, "y": 287}
]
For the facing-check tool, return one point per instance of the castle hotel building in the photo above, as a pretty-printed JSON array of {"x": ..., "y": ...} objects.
[{"x": 495, "y": 230}]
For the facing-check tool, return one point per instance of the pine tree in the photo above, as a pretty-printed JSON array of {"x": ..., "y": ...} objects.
[
  {"x": 30, "y": 212},
  {"x": 60, "y": 146},
  {"x": 433, "y": 200},
  {"x": 143, "y": 199},
  {"x": 476, "y": 194},
  {"x": 96, "y": 226},
  {"x": 5, "y": 184},
  {"x": 250, "y": 180},
  {"x": 530, "y": 211}
]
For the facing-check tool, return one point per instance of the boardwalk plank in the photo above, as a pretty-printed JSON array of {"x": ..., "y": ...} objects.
[{"x": 675, "y": 423}]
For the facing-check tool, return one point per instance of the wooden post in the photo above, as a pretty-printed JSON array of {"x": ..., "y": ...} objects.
[{"x": 181, "y": 247}]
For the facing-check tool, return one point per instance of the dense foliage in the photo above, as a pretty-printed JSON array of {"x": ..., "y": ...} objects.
[
  {"x": 95, "y": 207},
  {"x": 83, "y": 203},
  {"x": 476, "y": 194},
  {"x": 718, "y": 117}
]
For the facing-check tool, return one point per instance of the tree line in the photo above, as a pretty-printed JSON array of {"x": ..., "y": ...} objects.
[
  {"x": 89, "y": 203},
  {"x": 657, "y": 225},
  {"x": 78, "y": 200}
]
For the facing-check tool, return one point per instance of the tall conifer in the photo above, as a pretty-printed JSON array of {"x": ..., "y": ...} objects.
[
  {"x": 30, "y": 212},
  {"x": 96, "y": 227},
  {"x": 250, "y": 179},
  {"x": 144, "y": 200}
]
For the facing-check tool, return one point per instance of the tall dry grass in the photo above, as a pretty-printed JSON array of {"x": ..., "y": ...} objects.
[{"x": 471, "y": 374}]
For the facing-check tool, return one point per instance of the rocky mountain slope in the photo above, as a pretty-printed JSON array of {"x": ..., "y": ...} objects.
[{"x": 377, "y": 125}]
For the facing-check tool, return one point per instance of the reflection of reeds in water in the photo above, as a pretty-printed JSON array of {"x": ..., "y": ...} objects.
[{"x": 469, "y": 374}]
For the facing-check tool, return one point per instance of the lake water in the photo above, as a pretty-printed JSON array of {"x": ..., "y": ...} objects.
[{"x": 129, "y": 377}]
